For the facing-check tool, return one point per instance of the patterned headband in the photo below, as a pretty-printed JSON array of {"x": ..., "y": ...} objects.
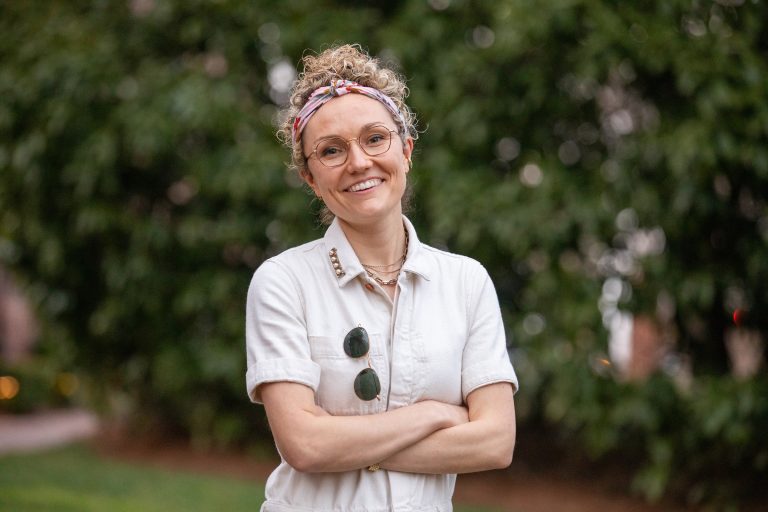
[{"x": 326, "y": 93}]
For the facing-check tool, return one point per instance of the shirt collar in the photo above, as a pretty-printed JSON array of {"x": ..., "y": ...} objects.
[
  {"x": 416, "y": 261},
  {"x": 339, "y": 250}
]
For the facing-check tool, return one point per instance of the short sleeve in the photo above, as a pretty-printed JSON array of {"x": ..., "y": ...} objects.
[
  {"x": 277, "y": 348},
  {"x": 485, "y": 358}
]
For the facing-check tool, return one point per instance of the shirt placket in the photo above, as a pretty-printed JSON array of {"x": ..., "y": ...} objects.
[{"x": 402, "y": 363}]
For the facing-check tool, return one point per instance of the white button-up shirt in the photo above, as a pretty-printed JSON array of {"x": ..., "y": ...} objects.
[{"x": 441, "y": 339}]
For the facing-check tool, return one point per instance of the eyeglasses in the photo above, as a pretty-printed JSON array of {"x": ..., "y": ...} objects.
[
  {"x": 334, "y": 151},
  {"x": 367, "y": 385}
]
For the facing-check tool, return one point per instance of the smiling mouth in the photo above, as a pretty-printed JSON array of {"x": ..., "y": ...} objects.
[{"x": 365, "y": 185}]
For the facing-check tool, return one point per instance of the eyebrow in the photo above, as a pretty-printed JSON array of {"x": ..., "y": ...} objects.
[{"x": 365, "y": 127}]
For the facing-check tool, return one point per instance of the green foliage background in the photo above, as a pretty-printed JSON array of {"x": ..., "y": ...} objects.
[{"x": 565, "y": 144}]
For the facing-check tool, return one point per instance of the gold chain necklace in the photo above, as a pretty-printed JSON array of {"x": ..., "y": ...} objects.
[{"x": 370, "y": 269}]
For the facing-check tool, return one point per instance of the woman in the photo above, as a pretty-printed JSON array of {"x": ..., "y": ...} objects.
[{"x": 381, "y": 361}]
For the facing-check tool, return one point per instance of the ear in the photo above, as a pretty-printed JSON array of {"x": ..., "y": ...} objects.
[
  {"x": 310, "y": 181},
  {"x": 407, "y": 152}
]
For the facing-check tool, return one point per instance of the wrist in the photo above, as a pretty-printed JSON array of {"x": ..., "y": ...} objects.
[{"x": 441, "y": 415}]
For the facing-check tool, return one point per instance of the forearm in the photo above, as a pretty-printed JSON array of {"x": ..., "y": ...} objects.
[
  {"x": 311, "y": 440},
  {"x": 465, "y": 448},
  {"x": 343, "y": 443},
  {"x": 486, "y": 442}
]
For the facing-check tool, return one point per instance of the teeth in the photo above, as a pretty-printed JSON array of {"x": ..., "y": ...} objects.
[{"x": 365, "y": 185}]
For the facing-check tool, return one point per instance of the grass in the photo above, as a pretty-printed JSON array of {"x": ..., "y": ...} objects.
[{"x": 75, "y": 479}]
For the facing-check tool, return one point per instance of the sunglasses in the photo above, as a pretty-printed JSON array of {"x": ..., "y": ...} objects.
[{"x": 367, "y": 385}]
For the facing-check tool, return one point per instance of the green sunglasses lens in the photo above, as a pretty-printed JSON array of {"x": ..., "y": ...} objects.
[
  {"x": 367, "y": 385},
  {"x": 356, "y": 342}
]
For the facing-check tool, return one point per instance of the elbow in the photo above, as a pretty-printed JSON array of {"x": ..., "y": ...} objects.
[
  {"x": 303, "y": 463},
  {"x": 502, "y": 456},
  {"x": 299, "y": 462},
  {"x": 306, "y": 462},
  {"x": 507, "y": 437},
  {"x": 303, "y": 458}
]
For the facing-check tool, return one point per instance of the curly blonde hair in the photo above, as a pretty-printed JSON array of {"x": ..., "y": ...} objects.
[{"x": 347, "y": 62}]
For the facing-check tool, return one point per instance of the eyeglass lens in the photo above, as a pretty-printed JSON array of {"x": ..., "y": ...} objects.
[
  {"x": 367, "y": 384},
  {"x": 373, "y": 141}
]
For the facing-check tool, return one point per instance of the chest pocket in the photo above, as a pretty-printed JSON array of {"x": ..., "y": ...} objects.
[
  {"x": 443, "y": 368},
  {"x": 336, "y": 392}
]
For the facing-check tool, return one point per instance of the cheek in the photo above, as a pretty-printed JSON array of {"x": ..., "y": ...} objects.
[
  {"x": 398, "y": 165},
  {"x": 402, "y": 171}
]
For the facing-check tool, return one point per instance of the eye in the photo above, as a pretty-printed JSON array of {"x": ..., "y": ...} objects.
[
  {"x": 329, "y": 151},
  {"x": 331, "y": 148},
  {"x": 376, "y": 138}
]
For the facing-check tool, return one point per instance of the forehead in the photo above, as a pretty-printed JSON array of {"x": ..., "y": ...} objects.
[{"x": 345, "y": 116}]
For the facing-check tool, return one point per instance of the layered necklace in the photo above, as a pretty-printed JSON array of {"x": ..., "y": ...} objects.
[{"x": 388, "y": 270}]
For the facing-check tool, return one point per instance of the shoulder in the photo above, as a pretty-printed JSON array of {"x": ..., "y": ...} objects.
[
  {"x": 293, "y": 258},
  {"x": 289, "y": 266},
  {"x": 454, "y": 263}
]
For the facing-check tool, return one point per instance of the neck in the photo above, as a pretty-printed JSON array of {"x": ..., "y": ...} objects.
[{"x": 378, "y": 244}]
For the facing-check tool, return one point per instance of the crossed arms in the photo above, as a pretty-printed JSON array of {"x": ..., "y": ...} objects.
[{"x": 425, "y": 437}]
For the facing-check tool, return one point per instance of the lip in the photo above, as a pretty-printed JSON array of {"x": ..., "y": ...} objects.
[{"x": 373, "y": 178}]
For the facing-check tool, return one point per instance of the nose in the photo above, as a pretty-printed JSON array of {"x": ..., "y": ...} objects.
[{"x": 357, "y": 159}]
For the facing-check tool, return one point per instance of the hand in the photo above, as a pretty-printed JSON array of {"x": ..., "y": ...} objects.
[
  {"x": 459, "y": 414},
  {"x": 449, "y": 415}
]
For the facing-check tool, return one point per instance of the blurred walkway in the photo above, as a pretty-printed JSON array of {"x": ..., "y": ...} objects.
[{"x": 38, "y": 431}]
